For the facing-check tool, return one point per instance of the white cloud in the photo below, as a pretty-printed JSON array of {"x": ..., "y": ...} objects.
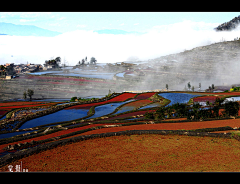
[
  {"x": 158, "y": 41},
  {"x": 25, "y": 20},
  {"x": 81, "y": 26},
  {"x": 135, "y": 24},
  {"x": 122, "y": 24},
  {"x": 61, "y": 18}
]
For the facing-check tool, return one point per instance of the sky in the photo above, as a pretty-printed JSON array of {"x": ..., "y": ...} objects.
[{"x": 147, "y": 35}]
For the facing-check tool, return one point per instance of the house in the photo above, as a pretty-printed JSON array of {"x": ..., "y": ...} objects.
[
  {"x": 9, "y": 64},
  {"x": 9, "y": 76}
]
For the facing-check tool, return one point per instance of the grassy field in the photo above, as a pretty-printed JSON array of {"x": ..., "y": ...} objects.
[{"x": 139, "y": 153}]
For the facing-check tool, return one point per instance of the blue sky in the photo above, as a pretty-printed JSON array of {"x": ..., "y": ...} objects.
[
  {"x": 127, "y": 21},
  {"x": 162, "y": 33}
]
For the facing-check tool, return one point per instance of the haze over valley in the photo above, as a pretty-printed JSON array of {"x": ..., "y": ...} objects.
[{"x": 173, "y": 55}]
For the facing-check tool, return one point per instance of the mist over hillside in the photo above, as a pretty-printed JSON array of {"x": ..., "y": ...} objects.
[
  {"x": 212, "y": 64},
  {"x": 111, "y": 48}
]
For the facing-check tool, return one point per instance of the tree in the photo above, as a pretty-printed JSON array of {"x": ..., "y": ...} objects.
[
  {"x": 58, "y": 59},
  {"x": 149, "y": 115},
  {"x": 207, "y": 103},
  {"x": 25, "y": 95},
  {"x": 10, "y": 70},
  {"x": 218, "y": 101},
  {"x": 193, "y": 88},
  {"x": 73, "y": 99},
  {"x": 213, "y": 86},
  {"x": 83, "y": 61},
  {"x": 3, "y": 69},
  {"x": 199, "y": 86},
  {"x": 56, "y": 62},
  {"x": 160, "y": 113},
  {"x": 231, "y": 108},
  {"x": 189, "y": 85},
  {"x": 30, "y": 93},
  {"x": 167, "y": 86},
  {"x": 93, "y": 60},
  {"x": 210, "y": 88}
]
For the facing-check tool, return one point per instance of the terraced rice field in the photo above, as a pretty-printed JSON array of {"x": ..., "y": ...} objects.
[
  {"x": 8, "y": 106},
  {"x": 103, "y": 154},
  {"x": 62, "y": 115},
  {"x": 133, "y": 105},
  {"x": 205, "y": 99},
  {"x": 177, "y": 97},
  {"x": 63, "y": 79},
  {"x": 138, "y": 153}
]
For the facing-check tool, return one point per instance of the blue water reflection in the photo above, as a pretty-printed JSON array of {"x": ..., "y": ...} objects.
[
  {"x": 62, "y": 115},
  {"x": 177, "y": 97}
]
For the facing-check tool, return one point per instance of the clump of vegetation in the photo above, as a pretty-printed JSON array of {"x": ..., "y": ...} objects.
[
  {"x": 156, "y": 97},
  {"x": 55, "y": 63},
  {"x": 195, "y": 112},
  {"x": 231, "y": 108},
  {"x": 73, "y": 99},
  {"x": 149, "y": 115},
  {"x": 29, "y": 93},
  {"x": 234, "y": 89}
]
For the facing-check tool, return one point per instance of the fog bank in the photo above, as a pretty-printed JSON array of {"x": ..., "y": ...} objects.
[{"x": 108, "y": 48}]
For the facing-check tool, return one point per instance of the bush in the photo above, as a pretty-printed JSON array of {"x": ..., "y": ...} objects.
[
  {"x": 234, "y": 89},
  {"x": 160, "y": 113},
  {"x": 73, "y": 99},
  {"x": 149, "y": 115},
  {"x": 231, "y": 108}
]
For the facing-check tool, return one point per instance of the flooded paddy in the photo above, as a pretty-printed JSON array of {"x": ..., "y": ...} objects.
[
  {"x": 103, "y": 110},
  {"x": 177, "y": 97},
  {"x": 156, "y": 104},
  {"x": 62, "y": 115}
]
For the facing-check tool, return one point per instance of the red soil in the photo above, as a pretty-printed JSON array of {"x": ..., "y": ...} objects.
[
  {"x": 65, "y": 83},
  {"x": 21, "y": 106},
  {"x": 121, "y": 97},
  {"x": 66, "y": 79},
  {"x": 137, "y": 153},
  {"x": 205, "y": 98},
  {"x": 144, "y": 96},
  {"x": 19, "y": 103},
  {"x": 130, "y": 114},
  {"x": 50, "y": 135},
  {"x": 171, "y": 126},
  {"x": 230, "y": 93},
  {"x": 138, "y": 103},
  {"x": 3, "y": 112}
]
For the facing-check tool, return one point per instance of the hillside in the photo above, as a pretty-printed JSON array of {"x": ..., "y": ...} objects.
[
  {"x": 230, "y": 25},
  {"x": 24, "y": 30},
  {"x": 217, "y": 63}
]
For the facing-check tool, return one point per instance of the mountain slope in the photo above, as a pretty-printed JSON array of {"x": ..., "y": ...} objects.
[
  {"x": 212, "y": 64},
  {"x": 25, "y": 30},
  {"x": 230, "y": 25}
]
